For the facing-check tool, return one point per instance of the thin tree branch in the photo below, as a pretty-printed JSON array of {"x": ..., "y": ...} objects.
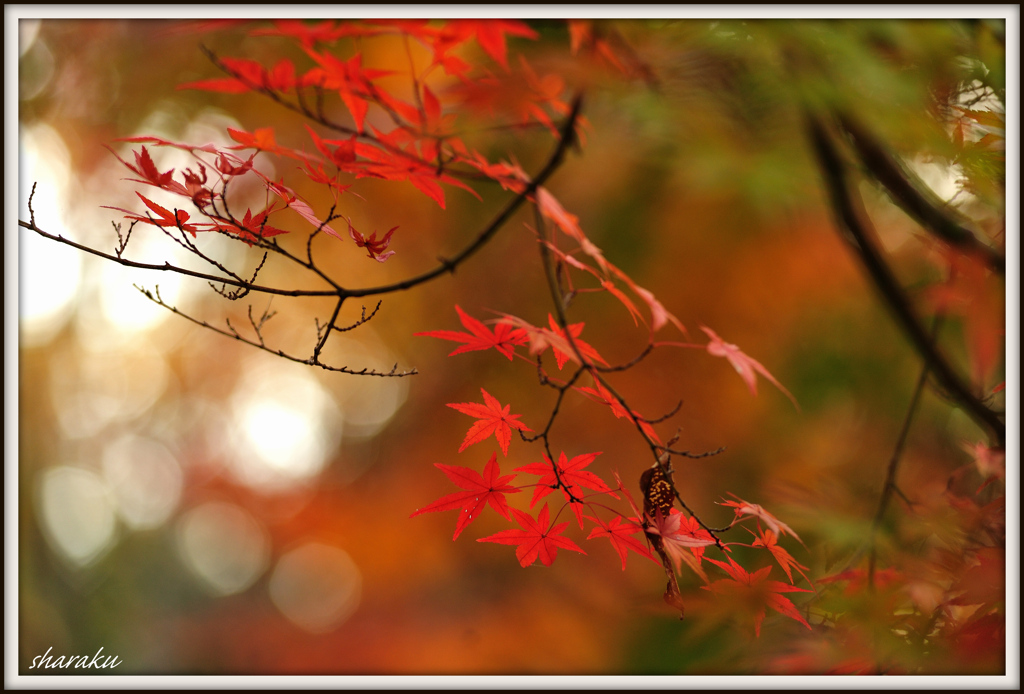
[
  {"x": 661, "y": 457},
  {"x": 167, "y": 267},
  {"x": 890, "y": 475},
  {"x": 155, "y": 297}
]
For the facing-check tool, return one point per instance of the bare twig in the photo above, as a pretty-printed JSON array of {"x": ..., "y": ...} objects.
[{"x": 231, "y": 332}]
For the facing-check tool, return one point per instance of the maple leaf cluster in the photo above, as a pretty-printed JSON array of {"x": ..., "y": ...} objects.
[
  {"x": 660, "y": 533},
  {"x": 417, "y": 139},
  {"x": 421, "y": 147}
]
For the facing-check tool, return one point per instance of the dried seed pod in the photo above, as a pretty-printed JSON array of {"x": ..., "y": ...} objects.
[{"x": 657, "y": 490}]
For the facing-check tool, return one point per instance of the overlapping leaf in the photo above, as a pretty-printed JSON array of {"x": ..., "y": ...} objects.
[
  {"x": 619, "y": 532},
  {"x": 745, "y": 508},
  {"x": 769, "y": 541},
  {"x": 504, "y": 338},
  {"x": 570, "y": 475}
]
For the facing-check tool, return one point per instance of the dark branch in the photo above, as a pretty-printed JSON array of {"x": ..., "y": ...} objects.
[
  {"x": 860, "y": 235},
  {"x": 914, "y": 202},
  {"x": 167, "y": 267}
]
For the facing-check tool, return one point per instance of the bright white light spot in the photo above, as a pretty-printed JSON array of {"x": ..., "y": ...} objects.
[
  {"x": 941, "y": 179},
  {"x": 49, "y": 273},
  {"x": 286, "y": 425},
  {"x": 145, "y": 478},
  {"x": 282, "y": 437},
  {"x": 77, "y": 513},
  {"x": 317, "y": 587},
  {"x": 124, "y": 308},
  {"x": 224, "y": 546}
]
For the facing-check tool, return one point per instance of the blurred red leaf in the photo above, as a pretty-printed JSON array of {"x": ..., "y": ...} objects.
[
  {"x": 745, "y": 366},
  {"x": 756, "y": 592}
]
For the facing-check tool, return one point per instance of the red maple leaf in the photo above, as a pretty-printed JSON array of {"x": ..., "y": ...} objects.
[
  {"x": 745, "y": 508},
  {"x": 494, "y": 419},
  {"x": 150, "y": 173},
  {"x": 756, "y": 592},
  {"x": 164, "y": 217},
  {"x": 745, "y": 366},
  {"x": 353, "y": 82},
  {"x": 536, "y": 539},
  {"x": 374, "y": 248},
  {"x": 769, "y": 541},
  {"x": 505, "y": 337},
  {"x": 572, "y": 477},
  {"x": 250, "y": 228},
  {"x": 619, "y": 531},
  {"x": 340, "y": 152},
  {"x": 395, "y": 158},
  {"x": 602, "y": 395},
  {"x": 490, "y": 488}
]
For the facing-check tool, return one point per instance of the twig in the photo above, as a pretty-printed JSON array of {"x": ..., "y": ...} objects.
[
  {"x": 232, "y": 333},
  {"x": 890, "y": 475}
]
